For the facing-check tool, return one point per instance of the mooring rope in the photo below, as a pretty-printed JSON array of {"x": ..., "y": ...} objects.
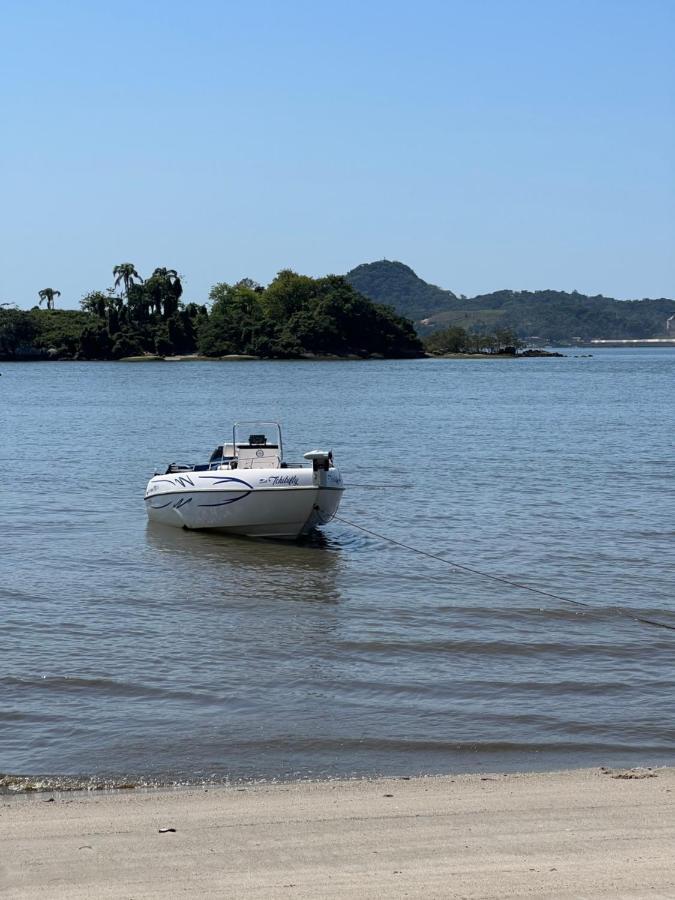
[
  {"x": 392, "y": 487},
  {"x": 514, "y": 584}
]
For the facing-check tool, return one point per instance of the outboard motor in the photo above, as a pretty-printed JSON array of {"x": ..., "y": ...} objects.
[{"x": 322, "y": 460}]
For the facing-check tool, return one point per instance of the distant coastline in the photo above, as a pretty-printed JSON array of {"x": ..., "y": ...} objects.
[
  {"x": 540, "y": 317},
  {"x": 243, "y": 358},
  {"x": 380, "y": 310}
]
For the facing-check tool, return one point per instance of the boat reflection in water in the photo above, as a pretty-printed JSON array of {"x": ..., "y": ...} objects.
[{"x": 210, "y": 563}]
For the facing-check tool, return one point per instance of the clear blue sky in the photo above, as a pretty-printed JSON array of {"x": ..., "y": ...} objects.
[{"x": 487, "y": 143}]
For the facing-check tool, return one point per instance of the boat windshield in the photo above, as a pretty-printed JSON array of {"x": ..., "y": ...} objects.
[{"x": 264, "y": 436}]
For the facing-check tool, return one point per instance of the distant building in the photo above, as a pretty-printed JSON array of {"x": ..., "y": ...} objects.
[{"x": 634, "y": 342}]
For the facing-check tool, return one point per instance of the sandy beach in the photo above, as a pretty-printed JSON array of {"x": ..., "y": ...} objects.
[{"x": 588, "y": 833}]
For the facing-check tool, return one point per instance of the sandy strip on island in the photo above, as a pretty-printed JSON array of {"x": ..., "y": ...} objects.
[{"x": 581, "y": 834}]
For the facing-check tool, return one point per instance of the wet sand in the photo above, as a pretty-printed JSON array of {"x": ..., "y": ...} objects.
[{"x": 589, "y": 833}]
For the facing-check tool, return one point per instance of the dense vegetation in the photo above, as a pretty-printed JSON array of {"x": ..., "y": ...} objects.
[
  {"x": 295, "y": 316},
  {"x": 549, "y": 316},
  {"x": 298, "y": 315}
]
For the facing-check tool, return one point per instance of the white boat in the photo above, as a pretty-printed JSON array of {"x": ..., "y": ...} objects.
[{"x": 247, "y": 488}]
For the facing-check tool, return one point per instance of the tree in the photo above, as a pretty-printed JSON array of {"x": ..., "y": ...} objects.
[
  {"x": 95, "y": 303},
  {"x": 126, "y": 272},
  {"x": 164, "y": 290},
  {"x": 18, "y": 331},
  {"x": 507, "y": 340},
  {"x": 47, "y": 295},
  {"x": 139, "y": 303},
  {"x": 450, "y": 340},
  {"x": 237, "y": 317}
]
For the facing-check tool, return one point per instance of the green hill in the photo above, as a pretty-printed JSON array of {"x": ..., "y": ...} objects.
[
  {"x": 397, "y": 285},
  {"x": 554, "y": 316},
  {"x": 560, "y": 317}
]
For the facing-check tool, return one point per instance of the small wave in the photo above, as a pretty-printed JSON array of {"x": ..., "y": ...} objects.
[
  {"x": 504, "y": 687},
  {"x": 20, "y": 715},
  {"x": 520, "y": 647},
  {"x": 71, "y": 683}
]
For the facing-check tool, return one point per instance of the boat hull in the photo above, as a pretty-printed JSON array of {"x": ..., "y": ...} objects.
[{"x": 258, "y": 503}]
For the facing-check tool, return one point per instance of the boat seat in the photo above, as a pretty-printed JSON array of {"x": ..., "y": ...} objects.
[
  {"x": 265, "y": 462},
  {"x": 258, "y": 458}
]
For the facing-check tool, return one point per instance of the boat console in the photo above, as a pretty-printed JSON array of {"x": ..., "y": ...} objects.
[{"x": 261, "y": 449}]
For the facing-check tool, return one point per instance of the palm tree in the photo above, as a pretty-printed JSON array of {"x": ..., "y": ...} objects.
[
  {"x": 47, "y": 295},
  {"x": 127, "y": 273},
  {"x": 174, "y": 279},
  {"x": 95, "y": 303},
  {"x": 171, "y": 293}
]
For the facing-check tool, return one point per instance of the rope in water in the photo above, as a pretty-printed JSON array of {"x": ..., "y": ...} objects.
[
  {"x": 514, "y": 584},
  {"x": 392, "y": 487}
]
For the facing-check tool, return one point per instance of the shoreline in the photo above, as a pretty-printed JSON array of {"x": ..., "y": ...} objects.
[
  {"x": 587, "y": 832},
  {"x": 242, "y": 357},
  {"x": 18, "y": 785}
]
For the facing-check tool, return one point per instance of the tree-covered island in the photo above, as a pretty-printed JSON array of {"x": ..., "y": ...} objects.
[{"x": 293, "y": 317}]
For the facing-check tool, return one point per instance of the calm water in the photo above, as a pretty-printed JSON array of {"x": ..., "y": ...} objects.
[{"x": 129, "y": 649}]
